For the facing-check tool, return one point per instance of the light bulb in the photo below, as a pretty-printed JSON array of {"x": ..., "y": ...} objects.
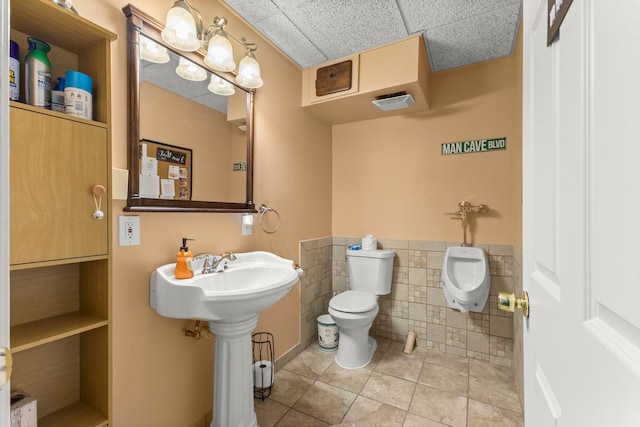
[
  {"x": 220, "y": 54},
  {"x": 180, "y": 29},
  {"x": 249, "y": 72}
]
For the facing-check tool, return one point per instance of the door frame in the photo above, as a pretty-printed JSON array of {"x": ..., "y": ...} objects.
[{"x": 4, "y": 202}]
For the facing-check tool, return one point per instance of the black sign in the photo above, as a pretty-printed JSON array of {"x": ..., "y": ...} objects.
[{"x": 171, "y": 156}]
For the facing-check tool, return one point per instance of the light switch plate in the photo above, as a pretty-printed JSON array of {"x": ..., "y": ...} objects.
[{"x": 129, "y": 230}]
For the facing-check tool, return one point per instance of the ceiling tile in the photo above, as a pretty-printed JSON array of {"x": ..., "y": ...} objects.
[
  {"x": 429, "y": 14},
  {"x": 473, "y": 40},
  {"x": 339, "y": 28},
  {"x": 251, "y": 10},
  {"x": 290, "y": 40}
]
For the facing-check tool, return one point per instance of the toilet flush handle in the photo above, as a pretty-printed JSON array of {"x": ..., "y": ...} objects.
[{"x": 508, "y": 302}]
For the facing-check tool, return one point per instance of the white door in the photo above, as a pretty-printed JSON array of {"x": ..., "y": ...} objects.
[
  {"x": 581, "y": 215},
  {"x": 4, "y": 201}
]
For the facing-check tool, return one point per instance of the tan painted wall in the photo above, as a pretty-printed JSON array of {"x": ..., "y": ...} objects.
[
  {"x": 390, "y": 179},
  {"x": 160, "y": 377}
]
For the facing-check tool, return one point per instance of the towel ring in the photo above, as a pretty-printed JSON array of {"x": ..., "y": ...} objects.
[{"x": 263, "y": 210}]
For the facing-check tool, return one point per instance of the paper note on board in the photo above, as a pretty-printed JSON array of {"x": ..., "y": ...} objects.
[
  {"x": 149, "y": 166},
  {"x": 168, "y": 188},
  {"x": 149, "y": 186},
  {"x": 174, "y": 172}
]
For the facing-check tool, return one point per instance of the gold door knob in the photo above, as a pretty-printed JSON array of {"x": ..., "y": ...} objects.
[{"x": 509, "y": 302}]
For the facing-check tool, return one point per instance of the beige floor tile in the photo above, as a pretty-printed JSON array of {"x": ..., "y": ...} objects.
[
  {"x": 370, "y": 413},
  {"x": 347, "y": 379},
  {"x": 447, "y": 360},
  {"x": 326, "y": 402},
  {"x": 481, "y": 369},
  {"x": 418, "y": 353},
  {"x": 400, "y": 365},
  {"x": 383, "y": 344},
  {"x": 379, "y": 387},
  {"x": 483, "y": 415},
  {"x": 294, "y": 418},
  {"x": 309, "y": 364},
  {"x": 315, "y": 349},
  {"x": 443, "y": 378},
  {"x": 377, "y": 357},
  {"x": 493, "y": 385},
  {"x": 451, "y": 391},
  {"x": 414, "y": 420},
  {"x": 288, "y": 387},
  {"x": 269, "y": 411},
  {"x": 439, "y": 405}
]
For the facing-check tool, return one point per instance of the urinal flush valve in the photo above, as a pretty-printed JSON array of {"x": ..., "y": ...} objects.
[{"x": 465, "y": 209}]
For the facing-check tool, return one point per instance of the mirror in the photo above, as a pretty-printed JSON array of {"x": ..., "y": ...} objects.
[{"x": 189, "y": 149}]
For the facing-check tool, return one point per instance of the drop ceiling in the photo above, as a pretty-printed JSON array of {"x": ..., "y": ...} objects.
[{"x": 456, "y": 32}]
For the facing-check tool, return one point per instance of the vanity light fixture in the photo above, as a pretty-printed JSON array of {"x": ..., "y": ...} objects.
[
  {"x": 185, "y": 31},
  {"x": 190, "y": 71}
]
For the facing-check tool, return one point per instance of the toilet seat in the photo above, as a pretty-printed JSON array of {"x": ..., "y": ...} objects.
[{"x": 354, "y": 302}]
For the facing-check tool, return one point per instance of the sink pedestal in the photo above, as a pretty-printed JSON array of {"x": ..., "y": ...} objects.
[{"x": 233, "y": 381}]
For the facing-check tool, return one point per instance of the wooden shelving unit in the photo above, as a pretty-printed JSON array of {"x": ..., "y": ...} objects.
[{"x": 59, "y": 254}]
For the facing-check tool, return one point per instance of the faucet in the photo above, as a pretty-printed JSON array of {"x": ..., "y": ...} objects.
[
  {"x": 219, "y": 262},
  {"x": 211, "y": 263}
]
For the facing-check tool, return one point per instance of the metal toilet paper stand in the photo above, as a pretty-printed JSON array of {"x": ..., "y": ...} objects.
[{"x": 263, "y": 368}]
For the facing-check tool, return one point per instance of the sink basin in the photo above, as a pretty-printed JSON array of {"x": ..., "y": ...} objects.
[
  {"x": 231, "y": 301},
  {"x": 250, "y": 283}
]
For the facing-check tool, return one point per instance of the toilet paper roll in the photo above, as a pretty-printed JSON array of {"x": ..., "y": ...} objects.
[
  {"x": 369, "y": 243},
  {"x": 262, "y": 374},
  {"x": 411, "y": 342}
]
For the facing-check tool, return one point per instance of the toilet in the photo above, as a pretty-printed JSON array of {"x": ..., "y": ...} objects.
[
  {"x": 466, "y": 278},
  {"x": 355, "y": 310}
]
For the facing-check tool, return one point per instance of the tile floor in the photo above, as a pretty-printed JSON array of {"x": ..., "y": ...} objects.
[{"x": 425, "y": 389}]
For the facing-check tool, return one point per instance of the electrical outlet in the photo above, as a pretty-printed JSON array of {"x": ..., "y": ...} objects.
[{"x": 129, "y": 230}]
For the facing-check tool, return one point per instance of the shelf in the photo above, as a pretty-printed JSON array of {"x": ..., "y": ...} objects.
[
  {"x": 78, "y": 414},
  {"x": 63, "y": 261},
  {"x": 40, "y": 110},
  {"x": 48, "y": 21},
  {"x": 39, "y": 332}
]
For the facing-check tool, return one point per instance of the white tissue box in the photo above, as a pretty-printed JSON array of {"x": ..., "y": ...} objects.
[{"x": 24, "y": 412}]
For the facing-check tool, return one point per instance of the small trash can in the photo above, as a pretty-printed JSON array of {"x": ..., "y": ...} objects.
[{"x": 327, "y": 333}]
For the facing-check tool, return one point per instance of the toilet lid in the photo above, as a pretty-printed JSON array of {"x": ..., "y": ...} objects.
[{"x": 353, "y": 302}]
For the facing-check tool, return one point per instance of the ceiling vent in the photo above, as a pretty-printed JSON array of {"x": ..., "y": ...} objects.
[{"x": 395, "y": 101}]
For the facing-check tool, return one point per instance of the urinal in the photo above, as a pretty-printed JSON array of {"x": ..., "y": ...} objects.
[{"x": 466, "y": 279}]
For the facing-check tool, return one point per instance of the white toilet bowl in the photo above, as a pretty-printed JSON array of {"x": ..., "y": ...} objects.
[
  {"x": 370, "y": 274},
  {"x": 466, "y": 278},
  {"x": 354, "y": 312}
]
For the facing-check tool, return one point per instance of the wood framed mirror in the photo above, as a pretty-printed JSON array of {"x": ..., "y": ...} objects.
[{"x": 189, "y": 149}]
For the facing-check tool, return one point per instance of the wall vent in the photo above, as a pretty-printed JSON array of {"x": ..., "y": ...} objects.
[{"x": 395, "y": 101}]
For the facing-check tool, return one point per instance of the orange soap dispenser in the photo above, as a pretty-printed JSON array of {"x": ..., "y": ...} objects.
[{"x": 183, "y": 259}]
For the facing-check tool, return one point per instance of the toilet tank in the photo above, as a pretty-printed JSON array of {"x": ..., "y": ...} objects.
[{"x": 370, "y": 271}]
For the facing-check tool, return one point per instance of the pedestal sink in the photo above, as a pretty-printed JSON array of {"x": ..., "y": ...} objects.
[{"x": 230, "y": 300}]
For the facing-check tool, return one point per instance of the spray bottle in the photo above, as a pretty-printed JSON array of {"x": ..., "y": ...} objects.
[{"x": 38, "y": 74}]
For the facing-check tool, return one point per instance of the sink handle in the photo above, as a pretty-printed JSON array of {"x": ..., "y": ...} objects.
[{"x": 198, "y": 263}]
